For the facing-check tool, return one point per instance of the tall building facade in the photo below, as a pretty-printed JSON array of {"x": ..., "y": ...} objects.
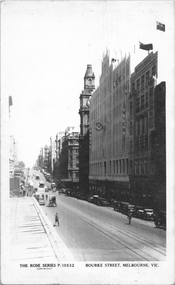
[
  {"x": 142, "y": 127},
  {"x": 85, "y": 96},
  {"x": 159, "y": 147},
  {"x": 109, "y": 130},
  {"x": 46, "y": 157},
  {"x": 68, "y": 162},
  {"x": 13, "y": 159}
]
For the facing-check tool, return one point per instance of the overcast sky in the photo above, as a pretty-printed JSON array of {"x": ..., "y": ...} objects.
[{"x": 45, "y": 49}]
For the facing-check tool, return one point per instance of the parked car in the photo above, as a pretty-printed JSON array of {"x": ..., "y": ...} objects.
[
  {"x": 149, "y": 214},
  {"x": 131, "y": 208},
  {"x": 124, "y": 207},
  {"x": 117, "y": 206},
  {"x": 41, "y": 187},
  {"x": 82, "y": 196},
  {"x": 37, "y": 177},
  {"x": 95, "y": 199},
  {"x": 41, "y": 201},
  {"x": 53, "y": 187},
  {"x": 90, "y": 199},
  {"x": 138, "y": 212},
  {"x": 47, "y": 189},
  {"x": 160, "y": 219},
  {"x": 62, "y": 190},
  {"x": 102, "y": 202}
]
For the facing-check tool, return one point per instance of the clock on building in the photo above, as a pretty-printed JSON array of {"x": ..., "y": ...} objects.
[{"x": 90, "y": 81}]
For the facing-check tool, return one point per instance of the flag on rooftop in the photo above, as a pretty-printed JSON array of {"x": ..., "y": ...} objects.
[
  {"x": 160, "y": 26},
  {"x": 99, "y": 126},
  {"x": 145, "y": 47}
]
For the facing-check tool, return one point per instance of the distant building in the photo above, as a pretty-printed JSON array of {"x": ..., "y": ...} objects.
[
  {"x": 40, "y": 161},
  {"x": 85, "y": 96},
  {"x": 13, "y": 159},
  {"x": 109, "y": 130},
  {"x": 68, "y": 161},
  {"x": 159, "y": 146},
  {"x": 141, "y": 128},
  {"x": 46, "y": 157},
  {"x": 58, "y": 142}
]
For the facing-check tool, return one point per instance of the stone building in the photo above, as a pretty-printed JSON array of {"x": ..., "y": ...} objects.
[
  {"x": 68, "y": 161},
  {"x": 85, "y": 96},
  {"x": 142, "y": 127},
  {"x": 109, "y": 130}
]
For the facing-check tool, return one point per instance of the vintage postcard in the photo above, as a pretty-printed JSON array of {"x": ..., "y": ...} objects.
[{"x": 87, "y": 136}]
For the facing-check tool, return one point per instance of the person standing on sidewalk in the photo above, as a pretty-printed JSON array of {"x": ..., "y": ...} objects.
[
  {"x": 129, "y": 217},
  {"x": 57, "y": 219}
]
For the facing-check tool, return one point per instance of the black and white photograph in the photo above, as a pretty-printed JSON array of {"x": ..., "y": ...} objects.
[{"x": 87, "y": 135}]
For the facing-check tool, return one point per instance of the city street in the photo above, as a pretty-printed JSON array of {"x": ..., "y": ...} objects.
[{"x": 99, "y": 233}]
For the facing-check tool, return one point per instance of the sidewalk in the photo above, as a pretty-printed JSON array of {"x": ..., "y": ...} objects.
[{"x": 32, "y": 236}]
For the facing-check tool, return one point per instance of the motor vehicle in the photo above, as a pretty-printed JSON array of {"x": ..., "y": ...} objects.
[
  {"x": 138, "y": 212},
  {"x": 47, "y": 189},
  {"x": 102, "y": 202},
  {"x": 95, "y": 199},
  {"x": 68, "y": 192},
  {"x": 117, "y": 206},
  {"x": 37, "y": 177},
  {"x": 149, "y": 214},
  {"x": 53, "y": 185},
  {"x": 82, "y": 196},
  {"x": 90, "y": 199},
  {"x": 160, "y": 219},
  {"x": 62, "y": 191},
  {"x": 41, "y": 187},
  {"x": 52, "y": 201},
  {"x": 41, "y": 201},
  {"x": 124, "y": 207},
  {"x": 131, "y": 208}
]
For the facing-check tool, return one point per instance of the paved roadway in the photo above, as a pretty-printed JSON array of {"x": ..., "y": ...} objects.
[{"x": 94, "y": 233}]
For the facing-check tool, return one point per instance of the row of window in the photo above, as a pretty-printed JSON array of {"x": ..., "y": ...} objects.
[
  {"x": 119, "y": 146},
  {"x": 71, "y": 151},
  {"x": 119, "y": 166},
  {"x": 73, "y": 141},
  {"x": 73, "y": 175},
  {"x": 144, "y": 81}
]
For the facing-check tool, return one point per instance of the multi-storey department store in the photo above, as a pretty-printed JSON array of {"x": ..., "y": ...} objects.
[
  {"x": 123, "y": 114},
  {"x": 109, "y": 130}
]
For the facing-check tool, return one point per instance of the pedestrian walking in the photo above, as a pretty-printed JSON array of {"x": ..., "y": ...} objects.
[
  {"x": 129, "y": 217},
  {"x": 57, "y": 219}
]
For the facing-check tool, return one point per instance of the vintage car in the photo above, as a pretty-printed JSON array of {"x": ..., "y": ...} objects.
[
  {"x": 52, "y": 201},
  {"x": 117, "y": 206},
  {"x": 160, "y": 219},
  {"x": 102, "y": 202},
  {"x": 41, "y": 201},
  {"x": 138, "y": 212},
  {"x": 124, "y": 207},
  {"x": 149, "y": 214},
  {"x": 131, "y": 208},
  {"x": 37, "y": 177}
]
